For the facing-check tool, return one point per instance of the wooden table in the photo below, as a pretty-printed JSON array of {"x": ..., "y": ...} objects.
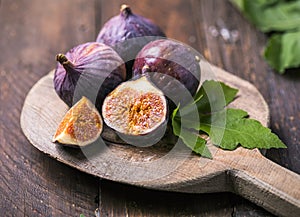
[{"x": 33, "y": 32}]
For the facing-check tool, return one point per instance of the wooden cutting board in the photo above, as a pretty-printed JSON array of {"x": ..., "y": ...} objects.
[{"x": 165, "y": 166}]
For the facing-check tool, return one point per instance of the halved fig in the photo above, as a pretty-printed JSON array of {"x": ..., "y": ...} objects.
[
  {"x": 136, "y": 108},
  {"x": 81, "y": 125}
]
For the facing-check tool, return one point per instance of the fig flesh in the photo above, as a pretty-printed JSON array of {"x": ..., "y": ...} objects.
[
  {"x": 81, "y": 125},
  {"x": 91, "y": 69},
  {"x": 127, "y": 33},
  {"x": 172, "y": 66},
  {"x": 137, "y": 110}
]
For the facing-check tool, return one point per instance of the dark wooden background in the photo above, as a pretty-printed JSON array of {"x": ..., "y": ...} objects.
[{"x": 33, "y": 32}]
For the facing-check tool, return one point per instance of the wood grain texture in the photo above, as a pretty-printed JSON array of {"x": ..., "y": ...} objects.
[
  {"x": 32, "y": 184},
  {"x": 157, "y": 203}
]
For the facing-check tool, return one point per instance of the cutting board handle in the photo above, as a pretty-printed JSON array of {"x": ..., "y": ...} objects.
[{"x": 267, "y": 184}]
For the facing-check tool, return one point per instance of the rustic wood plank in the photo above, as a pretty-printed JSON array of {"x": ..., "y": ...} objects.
[
  {"x": 32, "y": 184},
  {"x": 122, "y": 199},
  {"x": 133, "y": 201},
  {"x": 285, "y": 109}
]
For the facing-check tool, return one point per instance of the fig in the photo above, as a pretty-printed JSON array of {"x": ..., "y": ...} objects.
[
  {"x": 91, "y": 69},
  {"x": 172, "y": 66},
  {"x": 81, "y": 125},
  {"x": 137, "y": 111},
  {"x": 128, "y": 33}
]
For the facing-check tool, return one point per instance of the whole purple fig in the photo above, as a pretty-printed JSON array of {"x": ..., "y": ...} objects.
[
  {"x": 91, "y": 69},
  {"x": 127, "y": 33},
  {"x": 172, "y": 66}
]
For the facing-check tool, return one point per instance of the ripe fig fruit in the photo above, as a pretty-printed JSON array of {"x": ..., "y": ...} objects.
[
  {"x": 137, "y": 111},
  {"x": 81, "y": 125},
  {"x": 172, "y": 66},
  {"x": 127, "y": 33},
  {"x": 91, "y": 69}
]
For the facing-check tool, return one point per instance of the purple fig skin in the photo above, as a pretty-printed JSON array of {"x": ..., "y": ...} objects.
[
  {"x": 166, "y": 59},
  {"x": 91, "y": 69},
  {"x": 128, "y": 33}
]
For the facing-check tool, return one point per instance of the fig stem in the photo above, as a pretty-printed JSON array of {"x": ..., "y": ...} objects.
[
  {"x": 63, "y": 60},
  {"x": 125, "y": 10}
]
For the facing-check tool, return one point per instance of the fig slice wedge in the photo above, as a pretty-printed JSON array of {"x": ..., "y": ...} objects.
[
  {"x": 81, "y": 125},
  {"x": 135, "y": 108}
]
